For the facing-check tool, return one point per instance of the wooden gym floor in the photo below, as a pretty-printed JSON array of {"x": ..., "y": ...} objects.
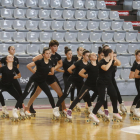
[{"x": 42, "y": 127}]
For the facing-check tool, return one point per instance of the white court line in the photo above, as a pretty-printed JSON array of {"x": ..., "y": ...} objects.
[{"x": 132, "y": 129}]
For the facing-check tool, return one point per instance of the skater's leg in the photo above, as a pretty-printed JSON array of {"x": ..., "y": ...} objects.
[
  {"x": 87, "y": 99},
  {"x": 58, "y": 90},
  {"x": 81, "y": 95},
  {"x": 27, "y": 90},
  {"x": 93, "y": 97},
  {"x": 102, "y": 97},
  {"x": 117, "y": 90},
  {"x": 72, "y": 94},
  {"x": 67, "y": 90},
  {"x": 46, "y": 89},
  {"x": 2, "y": 100},
  {"x": 113, "y": 96}
]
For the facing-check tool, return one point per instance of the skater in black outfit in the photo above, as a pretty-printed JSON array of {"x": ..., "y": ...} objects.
[
  {"x": 75, "y": 79},
  {"x": 135, "y": 74},
  {"x": 9, "y": 74},
  {"x": 52, "y": 79},
  {"x": 11, "y": 50},
  {"x": 44, "y": 67},
  {"x": 104, "y": 84}
]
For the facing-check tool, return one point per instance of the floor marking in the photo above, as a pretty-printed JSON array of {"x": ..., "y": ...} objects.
[{"x": 132, "y": 129}]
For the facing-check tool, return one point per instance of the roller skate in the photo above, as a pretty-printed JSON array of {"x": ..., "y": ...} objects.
[
  {"x": 106, "y": 117},
  {"x": 63, "y": 113},
  {"x": 5, "y": 113},
  {"x": 120, "y": 112},
  {"x": 92, "y": 117},
  {"x": 32, "y": 111},
  {"x": 89, "y": 111},
  {"x": 15, "y": 115},
  {"x": 22, "y": 114},
  {"x": 69, "y": 116},
  {"x": 78, "y": 107},
  {"x": 136, "y": 114},
  {"x": 132, "y": 109},
  {"x": 27, "y": 114},
  {"x": 100, "y": 113},
  {"x": 123, "y": 108},
  {"x": 56, "y": 113},
  {"x": 116, "y": 117}
]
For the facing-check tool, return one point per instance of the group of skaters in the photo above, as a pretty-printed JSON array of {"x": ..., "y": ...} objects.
[{"x": 83, "y": 72}]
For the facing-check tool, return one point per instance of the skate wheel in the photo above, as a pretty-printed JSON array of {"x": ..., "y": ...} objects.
[
  {"x": 118, "y": 120},
  {"x": 133, "y": 118},
  {"x": 88, "y": 121}
]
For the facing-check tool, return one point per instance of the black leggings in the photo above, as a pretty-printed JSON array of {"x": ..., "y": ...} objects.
[
  {"x": 65, "y": 78},
  {"x": 17, "y": 87},
  {"x": 117, "y": 90},
  {"x": 137, "y": 98},
  {"x": 42, "y": 85},
  {"x": 103, "y": 90},
  {"x": 72, "y": 82},
  {"x": 13, "y": 92},
  {"x": 84, "y": 90}
]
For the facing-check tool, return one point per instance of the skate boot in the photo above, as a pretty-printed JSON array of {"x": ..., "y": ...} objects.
[
  {"x": 27, "y": 114},
  {"x": 22, "y": 114},
  {"x": 123, "y": 108},
  {"x": 56, "y": 113},
  {"x": 15, "y": 115},
  {"x": 100, "y": 113},
  {"x": 32, "y": 111},
  {"x": 92, "y": 117},
  {"x": 106, "y": 117},
  {"x": 136, "y": 114},
  {"x": 63, "y": 113},
  {"x": 69, "y": 116},
  {"x": 5, "y": 113},
  {"x": 116, "y": 117},
  {"x": 132, "y": 109},
  {"x": 120, "y": 112},
  {"x": 78, "y": 107}
]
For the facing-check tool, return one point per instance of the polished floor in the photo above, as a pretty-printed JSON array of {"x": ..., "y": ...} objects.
[{"x": 42, "y": 127}]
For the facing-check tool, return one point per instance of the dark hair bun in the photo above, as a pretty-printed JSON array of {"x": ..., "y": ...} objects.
[{"x": 66, "y": 48}]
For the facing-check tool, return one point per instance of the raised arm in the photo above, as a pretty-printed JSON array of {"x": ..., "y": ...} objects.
[
  {"x": 136, "y": 75},
  {"x": 38, "y": 57},
  {"x": 82, "y": 73},
  {"x": 59, "y": 64},
  {"x": 71, "y": 68},
  {"x": 132, "y": 75},
  {"x": 30, "y": 65}
]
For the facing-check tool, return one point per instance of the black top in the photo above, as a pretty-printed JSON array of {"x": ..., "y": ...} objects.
[
  {"x": 92, "y": 72},
  {"x": 15, "y": 63},
  {"x": 134, "y": 67},
  {"x": 114, "y": 71},
  {"x": 55, "y": 57},
  {"x": 42, "y": 70},
  {"x": 75, "y": 58},
  {"x": 79, "y": 65},
  {"x": 66, "y": 65},
  {"x": 105, "y": 77},
  {"x": 8, "y": 75}
]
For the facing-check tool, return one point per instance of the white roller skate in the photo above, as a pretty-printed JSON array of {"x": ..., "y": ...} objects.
[
  {"x": 93, "y": 118},
  {"x": 63, "y": 113},
  {"x": 106, "y": 117},
  {"x": 132, "y": 109},
  {"x": 116, "y": 117},
  {"x": 15, "y": 115},
  {"x": 123, "y": 108},
  {"x": 100, "y": 113},
  {"x": 69, "y": 115},
  {"x": 56, "y": 113},
  {"x": 22, "y": 114},
  {"x": 136, "y": 114},
  {"x": 5, "y": 113},
  {"x": 120, "y": 112},
  {"x": 27, "y": 114},
  {"x": 78, "y": 107},
  {"x": 88, "y": 111}
]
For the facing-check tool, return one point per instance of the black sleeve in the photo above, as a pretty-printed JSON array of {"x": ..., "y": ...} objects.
[
  {"x": 87, "y": 68},
  {"x": 59, "y": 57},
  {"x": 133, "y": 67},
  {"x": 2, "y": 60},
  {"x": 64, "y": 66},
  {"x": 101, "y": 63},
  {"x": 53, "y": 64},
  {"x": 16, "y": 70},
  {"x": 17, "y": 61},
  {"x": 37, "y": 62},
  {"x": 138, "y": 67},
  {"x": 76, "y": 63},
  {"x": 1, "y": 69}
]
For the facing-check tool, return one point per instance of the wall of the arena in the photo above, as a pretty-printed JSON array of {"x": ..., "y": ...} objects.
[{"x": 126, "y": 88}]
